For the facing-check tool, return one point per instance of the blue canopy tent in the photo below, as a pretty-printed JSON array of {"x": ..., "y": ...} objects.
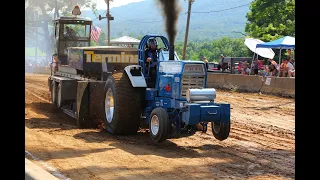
[{"x": 286, "y": 42}]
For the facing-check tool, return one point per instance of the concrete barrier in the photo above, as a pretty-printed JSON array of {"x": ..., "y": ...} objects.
[
  {"x": 34, "y": 172},
  {"x": 284, "y": 86},
  {"x": 268, "y": 88},
  {"x": 216, "y": 80},
  {"x": 275, "y": 85},
  {"x": 247, "y": 83},
  {"x": 230, "y": 82}
]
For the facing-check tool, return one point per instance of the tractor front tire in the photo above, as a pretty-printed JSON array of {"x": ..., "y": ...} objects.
[
  {"x": 220, "y": 130},
  {"x": 159, "y": 125}
]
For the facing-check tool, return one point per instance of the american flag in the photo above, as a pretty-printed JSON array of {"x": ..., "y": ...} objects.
[{"x": 95, "y": 33}]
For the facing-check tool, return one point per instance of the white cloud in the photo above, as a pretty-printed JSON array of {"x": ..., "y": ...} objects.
[{"x": 101, "y": 4}]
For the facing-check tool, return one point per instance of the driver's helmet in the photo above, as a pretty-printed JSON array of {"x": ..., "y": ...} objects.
[{"x": 152, "y": 43}]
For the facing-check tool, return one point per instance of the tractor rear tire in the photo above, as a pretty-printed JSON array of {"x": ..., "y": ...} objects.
[
  {"x": 220, "y": 130},
  {"x": 159, "y": 125},
  {"x": 84, "y": 120},
  {"x": 122, "y": 105}
]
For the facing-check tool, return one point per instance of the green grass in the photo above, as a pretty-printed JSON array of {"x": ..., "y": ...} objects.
[{"x": 32, "y": 51}]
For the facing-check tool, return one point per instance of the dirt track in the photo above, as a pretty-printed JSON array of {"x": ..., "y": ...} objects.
[{"x": 261, "y": 144}]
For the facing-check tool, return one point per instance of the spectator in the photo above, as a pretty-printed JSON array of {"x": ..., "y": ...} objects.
[
  {"x": 245, "y": 68},
  {"x": 265, "y": 70},
  {"x": 282, "y": 70},
  {"x": 239, "y": 67},
  {"x": 221, "y": 61},
  {"x": 224, "y": 65},
  {"x": 56, "y": 62},
  {"x": 273, "y": 71},
  {"x": 260, "y": 65},
  {"x": 292, "y": 62},
  {"x": 255, "y": 66},
  {"x": 290, "y": 54},
  {"x": 204, "y": 59},
  {"x": 272, "y": 62},
  {"x": 288, "y": 69},
  {"x": 228, "y": 66}
]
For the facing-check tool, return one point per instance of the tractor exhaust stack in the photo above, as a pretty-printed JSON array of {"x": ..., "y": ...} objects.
[{"x": 171, "y": 52}]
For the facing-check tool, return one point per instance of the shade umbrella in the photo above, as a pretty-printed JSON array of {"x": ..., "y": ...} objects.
[{"x": 252, "y": 43}]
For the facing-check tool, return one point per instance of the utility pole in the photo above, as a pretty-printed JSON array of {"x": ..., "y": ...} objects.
[
  {"x": 109, "y": 17},
  {"x": 187, "y": 29}
]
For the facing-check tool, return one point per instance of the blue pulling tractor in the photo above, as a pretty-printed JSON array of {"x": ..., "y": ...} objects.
[
  {"x": 178, "y": 99},
  {"x": 119, "y": 87}
]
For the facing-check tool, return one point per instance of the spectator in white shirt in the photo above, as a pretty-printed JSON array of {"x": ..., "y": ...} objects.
[{"x": 289, "y": 68}]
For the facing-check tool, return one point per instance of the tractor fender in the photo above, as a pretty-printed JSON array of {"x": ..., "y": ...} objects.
[{"x": 135, "y": 75}]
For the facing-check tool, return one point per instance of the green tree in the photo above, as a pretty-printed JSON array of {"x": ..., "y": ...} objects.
[
  {"x": 39, "y": 13},
  {"x": 102, "y": 41},
  {"x": 271, "y": 19},
  {"x": 212, "y": 50}
]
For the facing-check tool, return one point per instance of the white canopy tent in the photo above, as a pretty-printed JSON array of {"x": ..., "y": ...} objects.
[{"x": 125, "y": 40}]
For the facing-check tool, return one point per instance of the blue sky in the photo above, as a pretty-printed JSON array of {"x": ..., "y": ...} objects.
[{"x": 115, "y": 3}]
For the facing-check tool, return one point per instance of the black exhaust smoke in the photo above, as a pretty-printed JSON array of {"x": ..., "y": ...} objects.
[
  {"x": 171, "y": 52},
  {"x": 171, "y": 10}
]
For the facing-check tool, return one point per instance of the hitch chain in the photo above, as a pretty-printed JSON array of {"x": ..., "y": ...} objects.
[{"x": 204, "y": 127}]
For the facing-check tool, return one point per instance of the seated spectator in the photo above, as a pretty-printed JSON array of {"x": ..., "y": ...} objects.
[
  {"x": 245, "y": 68},
  {"x": 273, "y": 71},
  {"x": 282, "y": 69},
  {"x": 272, "y": 62},
  {"x": 292, "y": 62},
  {"x": 265, "y": 70},
  {"x": 288, "y": 69}
]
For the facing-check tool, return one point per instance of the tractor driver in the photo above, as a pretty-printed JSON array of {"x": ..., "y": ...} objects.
[
  {"x": 151, "y": 58},
  {"x": 69, "y": 33}
]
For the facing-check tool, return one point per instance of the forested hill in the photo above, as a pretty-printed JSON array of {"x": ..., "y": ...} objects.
[{"x": 210, "y": 19}]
